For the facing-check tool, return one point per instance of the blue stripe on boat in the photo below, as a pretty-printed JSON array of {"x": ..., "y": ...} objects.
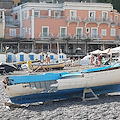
[
  {"x": 96, "y": 69},
  {"x": 100, "y": 68},
  {"x": 71, "y": 74},
  {"x": 36, "y": 78}
]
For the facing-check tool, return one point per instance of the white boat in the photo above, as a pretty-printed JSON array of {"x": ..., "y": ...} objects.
[{"x": 52, "y": 86}]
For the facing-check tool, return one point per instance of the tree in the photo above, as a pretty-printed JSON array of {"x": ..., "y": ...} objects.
[{"x": 116, "y": 3}]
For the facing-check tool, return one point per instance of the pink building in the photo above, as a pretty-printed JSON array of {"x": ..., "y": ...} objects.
[{"x": 72, "y": 25}]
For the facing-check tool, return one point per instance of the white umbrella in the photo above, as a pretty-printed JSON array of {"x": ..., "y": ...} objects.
[
  {"x": 96, "y": 52},
  {"x": 106, "y": 51},
  {"x": 115, "y": 50}
]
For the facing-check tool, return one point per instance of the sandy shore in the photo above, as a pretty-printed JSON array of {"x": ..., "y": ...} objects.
[{"x": 106, "y": 108}]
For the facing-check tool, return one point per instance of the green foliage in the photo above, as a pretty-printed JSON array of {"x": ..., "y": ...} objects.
[
  {"x": 68, "y": 38},
  {"x": 109, "y": 1},
  {"x": 1, "y": 38},
  {"x": 105, "y": 1},
  {"x": 28, "y": 0},
  {"x": 116, "y": 3}
]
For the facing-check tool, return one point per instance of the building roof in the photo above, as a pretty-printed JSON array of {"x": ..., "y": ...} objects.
[
  {"x": 6, "y": 4},
  {"x": 67, "y": 5},
  {"x": 59, "y": 1}
]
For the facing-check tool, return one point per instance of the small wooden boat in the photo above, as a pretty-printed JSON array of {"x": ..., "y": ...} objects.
[
  {"x": 51, "y": 86},
  {"x": 59, "y": 66}
]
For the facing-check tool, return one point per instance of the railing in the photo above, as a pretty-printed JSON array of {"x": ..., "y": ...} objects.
[
  {"x": 98, "y": 20},
  {"x": 53, "y": 17},
  {"x": 43, "y": 16},
  {"x": 45, "y": 36},
  {"x": 73, "y": 19},
  {"x": 75, "y": 36},
  {"x": 8, "y": 35},
  {"x": 58, "y": 17},
  {"x": 9, "y": 22},
  {"x": 15, "y": 22},
  {"x": 95, "y": 37},
  {"x": 64, "y": 36}
]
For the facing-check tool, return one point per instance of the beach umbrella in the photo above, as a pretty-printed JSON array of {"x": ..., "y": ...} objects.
[
  {"x": 107, "y": 51},
  {"x": 115, "y": 50},
  {"x": 96, "y": 52}
]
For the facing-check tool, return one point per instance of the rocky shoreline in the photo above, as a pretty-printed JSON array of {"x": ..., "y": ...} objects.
[{"x": 107, "y": 107}]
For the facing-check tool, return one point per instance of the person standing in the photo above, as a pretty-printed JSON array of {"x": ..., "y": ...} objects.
[{"x": 100, "y": 59}]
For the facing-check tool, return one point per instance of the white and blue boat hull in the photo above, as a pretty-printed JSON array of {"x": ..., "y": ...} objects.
[{"x": 64, "y": 85}]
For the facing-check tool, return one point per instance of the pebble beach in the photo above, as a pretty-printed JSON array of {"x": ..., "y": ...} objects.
[{"x": 107, "y": 107}]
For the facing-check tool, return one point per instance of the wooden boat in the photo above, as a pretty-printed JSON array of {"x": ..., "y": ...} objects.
[
  {"x": 51, "y": 86},
  {"x": 59, "y": 65}
]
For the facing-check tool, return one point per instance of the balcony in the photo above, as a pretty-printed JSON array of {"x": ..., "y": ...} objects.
[
  {"x": 42, "y": 17},
  {"x": 46, "y": 17},
  {"x": 12, "y": 36},
  {"x": 79, "y": 37},
  {"x": 73, "y": 20},
  {"x": 94, "y": 37},
  {"x": 14, "y": 22},
  {"x": 98, "y": 21},
  {"x": 58, "y": 17},
  {"x": 45, "y": 36},
  {"x": 64, "y": 36}
]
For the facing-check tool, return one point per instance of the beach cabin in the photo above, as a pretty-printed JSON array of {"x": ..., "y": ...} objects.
[
  {"x": 3, "y": 58},
  {"x": 32, "y": 56},
  {"x": 53, "y": 56},
  {"x": 11, "y": 57},
  {"x": 62, "y": 56},
  {"x": 40, "y": 56},
  {"x": 20, "y": 57}
]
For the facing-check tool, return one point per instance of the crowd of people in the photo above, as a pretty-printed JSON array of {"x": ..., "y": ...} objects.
[{"x": 96, "y": 60}]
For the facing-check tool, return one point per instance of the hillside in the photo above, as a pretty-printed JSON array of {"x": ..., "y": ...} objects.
[{"x": 116, "y": 3}]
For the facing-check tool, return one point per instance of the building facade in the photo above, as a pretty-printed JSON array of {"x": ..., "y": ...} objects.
[
  {"x": 42, "y": 27},
  {"x": 2, "y": 23}
]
